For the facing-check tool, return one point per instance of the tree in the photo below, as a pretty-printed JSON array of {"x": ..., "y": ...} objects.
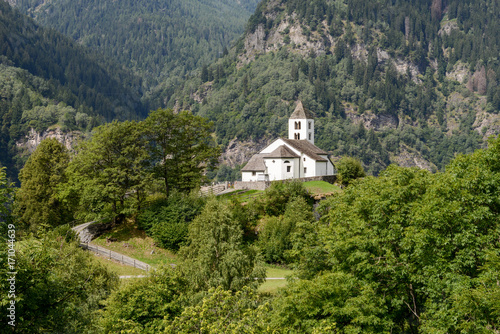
[
  {"x": 58, "y": 286},
  {"x": 275, "y": 236},
  {"x": 110, "y": 169},
  {"x": 37, "y": 201},
  {"x": 222, "y": 311},
  {"x": 349, "y": 169},
  {"x": 145, "y": 305},
  {"x": 216, "y": 255},
  {"x": 180, "y": 148},
  {"x": 6, "y": 192},
  {"x": 421, "y": 240}
]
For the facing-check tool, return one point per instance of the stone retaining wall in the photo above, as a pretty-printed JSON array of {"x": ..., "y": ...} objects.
[{"x": 263, "y": 185}]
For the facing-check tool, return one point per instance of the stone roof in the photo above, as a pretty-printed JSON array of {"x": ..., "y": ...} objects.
[
  {"x": 301, "y": 112},
  {"x": 255, "y": 164},
  {"x": 306, "y": 147},
  {"x": 282, "y": 152}
]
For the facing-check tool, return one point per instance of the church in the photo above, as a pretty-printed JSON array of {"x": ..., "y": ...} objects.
[{"x": 292, "y": 158}]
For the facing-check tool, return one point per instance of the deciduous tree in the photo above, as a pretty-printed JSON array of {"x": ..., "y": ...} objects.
[
  {"x": 216, "y": 255},
  {"x": 181, "y": 147},
  {"x": 37, "y": 201},
  {"x": 109, "y": 169}
]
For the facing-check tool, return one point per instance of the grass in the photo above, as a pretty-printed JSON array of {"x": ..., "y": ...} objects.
[
  {"x": 272, "y": 286},
  {"x": 242, "y": 195},
  {"x": 275, "y": 271},
  {"x": 321, "y": 187},
  {"x": 140, "y": 247},
  {"x": 133, "y": 242},
  {"x": 118, "y": 268}
]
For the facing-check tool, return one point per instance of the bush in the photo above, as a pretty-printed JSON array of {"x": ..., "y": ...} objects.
[
  {"x": 349, "y": 169},
  {"x": 166, "y": 220},
  {"x": 275, "y": 238},
  {"x": 277, "y": 196}
]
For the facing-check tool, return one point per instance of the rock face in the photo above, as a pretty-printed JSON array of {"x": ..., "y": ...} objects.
[
  {"x": 33, "y": 138},
  {"x": 239, "y": 152},
  {"x": 92, "y": 231},
  {"x": 411, "y": 158},
  {"x": 376, "y": 122}
]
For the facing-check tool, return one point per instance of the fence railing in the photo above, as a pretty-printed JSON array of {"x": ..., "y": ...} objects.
[
  {"x": 213, "y": 190},
  {"x": 116, "y": 256}
]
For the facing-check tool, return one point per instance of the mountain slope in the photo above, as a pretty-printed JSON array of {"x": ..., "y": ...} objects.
[
  {"x": 412, "y": 83},
  {"x": 48, "y": 79},
  {"x": 155, "y": 38}
]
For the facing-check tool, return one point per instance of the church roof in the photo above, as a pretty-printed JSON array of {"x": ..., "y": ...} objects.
[
  {"x": 308, "y": 148},
  {"x": 301, "y": 112},
  {"x": 282, "y": 152},
  {"x": 255, "y": 164}
]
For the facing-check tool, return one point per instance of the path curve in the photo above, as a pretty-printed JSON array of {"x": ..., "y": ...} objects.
[{"x": 124, "y": 259}]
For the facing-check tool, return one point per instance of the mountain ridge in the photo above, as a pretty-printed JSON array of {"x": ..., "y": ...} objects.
[{"x": 416, "y": 67}]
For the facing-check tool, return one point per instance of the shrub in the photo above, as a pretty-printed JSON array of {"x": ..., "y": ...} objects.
[{"x": 166, "y": 220}]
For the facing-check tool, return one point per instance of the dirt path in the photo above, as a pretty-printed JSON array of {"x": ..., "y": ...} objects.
[{"x": 124, "y": 259}]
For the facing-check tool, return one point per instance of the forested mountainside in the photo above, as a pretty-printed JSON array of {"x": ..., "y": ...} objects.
[
  {"x": 48, "y": 79},
  {"x": 156, "y": 38},
  {"x": 411, "y": 82}
]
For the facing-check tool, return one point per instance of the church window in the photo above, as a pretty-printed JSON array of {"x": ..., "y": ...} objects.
[
  {"x": 309, "y": 136},
  {"x": 297, "y": 136},
  {"x": 288, "y": 169},
  {"x": 305, "y": 170},
  {"x": 310, "y": 125},
  {"x": 286, "y": 162},
  {"x": 254, "y": 173}
]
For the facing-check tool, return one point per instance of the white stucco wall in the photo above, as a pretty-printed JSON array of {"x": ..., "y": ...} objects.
[
  {"x": 306, "y": 128},
  {"x": 249, "y": 177},
  {"x": 277, "y": 168},
  {"x": 310, "y": 166},
  {"x": 321, "y": 168}
]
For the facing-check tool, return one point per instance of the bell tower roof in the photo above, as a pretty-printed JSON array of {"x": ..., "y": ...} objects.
[{"x": 301, "y": 112}]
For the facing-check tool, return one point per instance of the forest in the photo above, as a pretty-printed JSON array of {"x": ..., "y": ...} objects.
[
  {"x": 157, "y": 90},
  {"x": 409, "y": 251},
  {"x": 389, "y": 60}
]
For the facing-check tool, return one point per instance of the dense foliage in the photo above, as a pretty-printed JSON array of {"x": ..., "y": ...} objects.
[
  {"x": 391, "y": 66},
  {"x": 156, "y": 39},
  {"x": 37, "y": 201},
  {"x": 166, "y": 219},
  {"x": 58, "y": 286},
  {"x": 216, "y": 255},
  {"x": 48, "y": 79}
]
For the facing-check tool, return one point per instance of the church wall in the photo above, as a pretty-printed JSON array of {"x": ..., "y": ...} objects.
[
  {"x": 249, "y": 177},
  {"x": 309, "y": 165},
  {"x": 306, "y": 128},
  {"x": 321, "y": 168}
]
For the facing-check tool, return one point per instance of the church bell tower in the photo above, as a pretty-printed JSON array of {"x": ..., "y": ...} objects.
[{"x": 301, "y": 124}]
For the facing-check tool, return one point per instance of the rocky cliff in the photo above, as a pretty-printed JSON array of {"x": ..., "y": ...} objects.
[{"x": 29, "y": 143}]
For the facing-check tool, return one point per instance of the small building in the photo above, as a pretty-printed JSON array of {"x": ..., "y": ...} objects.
[{"x": 291, "y": 158}]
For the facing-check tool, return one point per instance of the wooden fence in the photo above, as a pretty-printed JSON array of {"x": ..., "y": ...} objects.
[{"x": 116, "y": 256}]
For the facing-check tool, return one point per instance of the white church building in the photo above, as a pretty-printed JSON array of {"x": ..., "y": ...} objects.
[{"x": 292, "y": 158}]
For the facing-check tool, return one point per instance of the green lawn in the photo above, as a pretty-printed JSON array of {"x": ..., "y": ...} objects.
[
  {"x": 135, "y": 243},
  {"x": 271, "y": 286},
  {"x": 242, "y": 195},
  {"x": 118, "y": 268},
  {"x": 321, "y": 187},
  {"x": 275, "y": 271}
]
